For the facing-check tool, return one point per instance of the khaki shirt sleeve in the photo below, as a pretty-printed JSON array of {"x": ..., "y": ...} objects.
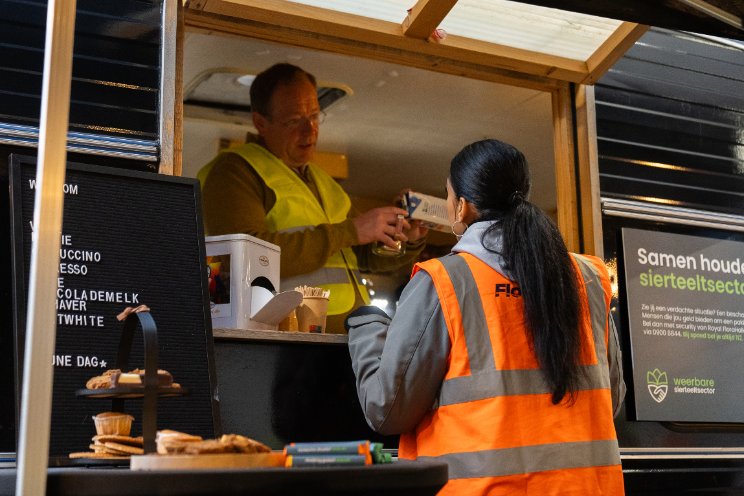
[{"x": 236, "y": 200}]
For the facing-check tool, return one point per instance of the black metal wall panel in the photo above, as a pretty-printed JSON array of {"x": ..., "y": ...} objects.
[
  {"x": 670, "y": 123},
  {"x": 670, "y": 131},
  {"x": 116, "y": 65}
]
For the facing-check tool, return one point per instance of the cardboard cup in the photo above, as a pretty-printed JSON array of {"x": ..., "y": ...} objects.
[{"x": 311, "y": 314}]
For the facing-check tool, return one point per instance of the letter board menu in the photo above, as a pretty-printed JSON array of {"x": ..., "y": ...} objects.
[{"x": 128, "y": 238}]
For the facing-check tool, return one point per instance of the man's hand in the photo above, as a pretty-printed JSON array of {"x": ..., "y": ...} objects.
[
  {"x": 379, "y": 224},
  {"x": 416, "y": 231}
]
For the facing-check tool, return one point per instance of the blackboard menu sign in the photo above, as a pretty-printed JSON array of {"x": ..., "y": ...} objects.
[{"x": 128, "y": 238}]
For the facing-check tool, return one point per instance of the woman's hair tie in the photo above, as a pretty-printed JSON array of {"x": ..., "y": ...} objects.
[{"x": 516, "y": 198}]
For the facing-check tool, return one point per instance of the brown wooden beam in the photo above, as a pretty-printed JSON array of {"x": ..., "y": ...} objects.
[
  {"x": 425, "y": 16},
  {"x": 588, "y": 170},
  {"x": 301, "y": 25},
  {"x": 374, "y": 52},
  {"x": 565, "y": 175},
  {"x": 612, "y": 50}
]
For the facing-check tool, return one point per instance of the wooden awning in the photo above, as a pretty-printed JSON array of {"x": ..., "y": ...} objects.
[{"x": 497, "y": 40}]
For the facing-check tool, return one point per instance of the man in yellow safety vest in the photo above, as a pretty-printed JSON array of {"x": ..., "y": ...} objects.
[{"x": 271, "y": 190}]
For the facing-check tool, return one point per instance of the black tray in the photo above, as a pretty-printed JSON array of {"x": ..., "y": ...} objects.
[
  {"x": 129, "y": 392},
  {"x": 90, "y": 462}
]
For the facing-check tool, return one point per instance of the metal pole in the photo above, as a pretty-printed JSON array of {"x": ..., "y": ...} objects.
[{"x": 41, "y": 325}]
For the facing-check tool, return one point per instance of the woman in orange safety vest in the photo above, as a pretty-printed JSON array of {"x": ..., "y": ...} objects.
[{"x": 502, "y": 359}]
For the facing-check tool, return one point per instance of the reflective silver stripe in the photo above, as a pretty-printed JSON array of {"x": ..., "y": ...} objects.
[
  {"x": 495, "y": 383},
  {"x": 597, "y": 306},
  {"x": 320, "y": 277},
  {"x": 530, "y": 459},
  {"x": 475, "y": 329},
  {"x": 485, "y": 382}
]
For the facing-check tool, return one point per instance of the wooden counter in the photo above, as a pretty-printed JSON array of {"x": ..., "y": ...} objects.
[{"x": 279, "y": 336}]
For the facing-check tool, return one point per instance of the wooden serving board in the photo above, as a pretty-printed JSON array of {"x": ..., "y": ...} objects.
[{"x": 221, "y": 460}]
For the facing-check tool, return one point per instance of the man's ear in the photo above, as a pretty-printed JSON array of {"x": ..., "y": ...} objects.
[{"x": 259, "y": 121}]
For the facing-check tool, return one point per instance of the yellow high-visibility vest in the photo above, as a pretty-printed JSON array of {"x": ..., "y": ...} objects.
[{"x": 296, "y": 208}]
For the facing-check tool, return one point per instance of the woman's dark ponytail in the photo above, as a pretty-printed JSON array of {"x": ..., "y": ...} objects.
[{"x": 494, "y": 176}]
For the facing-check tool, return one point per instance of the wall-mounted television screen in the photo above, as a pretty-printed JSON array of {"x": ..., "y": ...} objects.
[{"x": 684, "y": 298}]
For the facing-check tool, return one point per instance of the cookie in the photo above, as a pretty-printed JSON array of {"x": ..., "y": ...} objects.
[
  {"x": 93, "y": 454},
  {"x": 102, "y": 448},
  {"x": 115, "y": 438},
  {"x": 124, "y": 448}
]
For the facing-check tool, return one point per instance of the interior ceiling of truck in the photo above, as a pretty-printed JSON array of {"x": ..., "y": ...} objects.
[{"x": 419, "y": 79}]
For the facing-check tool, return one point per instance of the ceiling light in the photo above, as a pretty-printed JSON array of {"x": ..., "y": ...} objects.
[{"x": 245, "y": 79}]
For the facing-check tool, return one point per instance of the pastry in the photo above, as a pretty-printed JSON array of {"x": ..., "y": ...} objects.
[
  {"x": 113, "y": 423},
  {"x": 169, "y": 441},
  {"x": 228, "y": 443},
  {"x": 116, "y": 378},
  {"x": 208, "y": 447},
  {"x": 244, "y": 444},
  {"x": 102, "y": 381},
  {"x": 136, "y": 377}
]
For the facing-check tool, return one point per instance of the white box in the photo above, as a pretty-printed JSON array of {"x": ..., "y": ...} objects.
[
  {"x": 430, "y": 210},
  {"x": 236, "y": 261}
]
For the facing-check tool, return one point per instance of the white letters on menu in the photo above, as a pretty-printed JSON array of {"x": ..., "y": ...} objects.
[{"x": 72, "y": 303}]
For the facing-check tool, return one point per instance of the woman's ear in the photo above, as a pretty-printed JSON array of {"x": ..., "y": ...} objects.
[
  {"x": 466, "y": 211},
  {"x": 458, "y": 209}
]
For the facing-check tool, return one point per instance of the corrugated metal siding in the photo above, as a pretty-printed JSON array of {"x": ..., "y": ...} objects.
[
  {"x": 114, "y": 117},
  {"x": 670, "y": 130},
  {"x": 116, "y": 67},
  {"x": 670, "y": 123}
]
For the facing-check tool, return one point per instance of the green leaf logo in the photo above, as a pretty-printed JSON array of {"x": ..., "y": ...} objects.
[{"x": 658, "y": 384}]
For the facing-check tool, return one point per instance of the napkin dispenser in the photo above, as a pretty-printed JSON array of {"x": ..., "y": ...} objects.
[{"x": 243, "y": 276}]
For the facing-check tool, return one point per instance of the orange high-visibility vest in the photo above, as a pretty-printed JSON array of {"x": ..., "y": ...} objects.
[{"x": 494, "y": 422}]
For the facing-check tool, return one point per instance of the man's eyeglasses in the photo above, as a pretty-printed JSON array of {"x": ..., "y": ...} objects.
[{"x": 314, "y": 120}]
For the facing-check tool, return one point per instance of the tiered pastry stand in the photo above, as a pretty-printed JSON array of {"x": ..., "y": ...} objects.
[{"x": 150, "y": 390}]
